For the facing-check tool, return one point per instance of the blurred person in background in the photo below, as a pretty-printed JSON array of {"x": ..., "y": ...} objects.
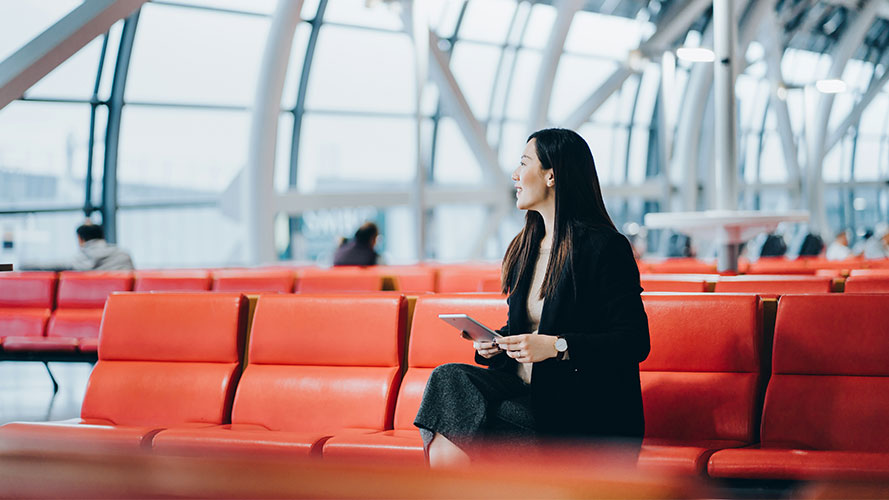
[
  {"x": 877, "y": 246},
  {"x": 359, "y": 251},
  {"x": 839, "y": 247},
  {"x": 95, "y": 254},
  {"x": 567, "y": 364}
]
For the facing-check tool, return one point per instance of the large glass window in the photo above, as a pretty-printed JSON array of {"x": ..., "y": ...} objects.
[{"x": 194, "y": 56}]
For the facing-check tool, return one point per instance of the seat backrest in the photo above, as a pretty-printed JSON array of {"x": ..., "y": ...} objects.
[
  {"x": 434, "y": 342},
  {"x": 675, "y": 282},
  {"x": 254, "y": 280},
  {"x": 27, "y": 289},
  {"x": 410, "y": 279},
  {"x": 167, "y": 359},
  {"x": 339, "y": 279},
  {"x": 867, "y": 283},
  {"x": 323, "y": 362},
  {"x": 702, "y": 378},
  {"x": 681, "y": 265},
  {"x": 196, "y": 280},
  {"x": 466, "y": 278},
  {"x": 830, "y": 374},
  {"x": 90, "y": 289},
  {"x": 780, "y": 265},
  {"x": 778, "y": 284}
]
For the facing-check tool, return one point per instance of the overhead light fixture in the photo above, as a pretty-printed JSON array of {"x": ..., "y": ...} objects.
[
  {"x": 832, "y": 86},
  {"x": 695, "y": 54}
]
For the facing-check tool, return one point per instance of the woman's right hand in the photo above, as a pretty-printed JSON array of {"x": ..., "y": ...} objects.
[{"x": 487, "y": 350}]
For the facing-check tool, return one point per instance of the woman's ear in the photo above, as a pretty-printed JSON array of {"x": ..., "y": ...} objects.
[{"x": 550, "y": 179}]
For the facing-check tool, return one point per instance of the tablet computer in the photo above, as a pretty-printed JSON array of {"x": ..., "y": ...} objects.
[{"x": 475, "y": 330}]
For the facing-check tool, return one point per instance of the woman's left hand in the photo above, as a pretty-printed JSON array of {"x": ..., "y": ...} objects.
[{"x": 529, "y": 348}]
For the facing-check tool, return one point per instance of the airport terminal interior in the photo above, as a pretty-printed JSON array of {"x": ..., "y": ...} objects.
[{"x": 228, "y": 151}]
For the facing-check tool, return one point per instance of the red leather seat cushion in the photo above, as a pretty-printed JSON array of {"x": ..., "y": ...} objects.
[
  {"x": 309, "y": 398},
  {"x": 679, "y": 456},
  {"x": 74, "y": 436},
  {"x": 22, "y": 322},
  {"x": 799, "y": 464},
  {"x": 402, "y": 446},
  {"x": 75, "y": 324},
  {"x": 39, "y": 344},
  {"x": 241, "y": 440},
  {"x": 88, "y": 345}
]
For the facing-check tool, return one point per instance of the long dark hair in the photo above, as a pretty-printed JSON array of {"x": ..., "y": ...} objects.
[{"x": 579, "y": 202}]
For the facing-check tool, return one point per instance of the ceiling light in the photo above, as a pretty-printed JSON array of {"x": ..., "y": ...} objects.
[
  {"x": 695, "y": 54},
  {"x": 833, "y": 86}
]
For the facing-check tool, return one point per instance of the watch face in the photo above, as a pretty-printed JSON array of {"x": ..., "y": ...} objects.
[{"x": 561, "y": 345}]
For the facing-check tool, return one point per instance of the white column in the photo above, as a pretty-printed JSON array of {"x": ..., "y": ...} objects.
[
  {"x": 725, "y": 130},
  {"x": 258, "y": 189}
]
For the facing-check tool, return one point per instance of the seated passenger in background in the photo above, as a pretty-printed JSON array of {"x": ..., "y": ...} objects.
[
  {"x": 95, "y": 254},
  {"x": 877, "y": 246},
  {"x": 839, "y": 247},
  {"x": 359, "y": 251}
]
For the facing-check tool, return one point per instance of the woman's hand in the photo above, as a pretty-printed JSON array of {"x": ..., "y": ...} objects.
[
  {"x": 529, "y": 348},
  {"x": 487, "y": 350}
]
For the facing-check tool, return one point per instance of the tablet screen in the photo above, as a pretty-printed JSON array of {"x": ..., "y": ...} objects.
[{"x": 471, "y": 326}]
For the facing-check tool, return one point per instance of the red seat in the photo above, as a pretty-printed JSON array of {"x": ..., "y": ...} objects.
[
  {"x": 319, "y": 365},
  {"x": 433, "y": 342},
  {"x": 253, "y": 280},
  {"x": 774, "y": 284},
  {"x": 781, "y": 265},
  {"x": 410, "y": 279},
  {"x": 676, "y": 282},
  {"x": 868, "y": 281},
  {"x": 339, "y": 279},
  {"x": 467, "y": 277},
  {"x": 26, "y": 299},
  {"x": 825, "y": 414},
  {"x": 81, "y": 298},
  {"x": 166, "y": 360},
  {"x": 197, "y": 280},
  {"x": 681, "y": 265},
  {"x": 702, "y": 381}
]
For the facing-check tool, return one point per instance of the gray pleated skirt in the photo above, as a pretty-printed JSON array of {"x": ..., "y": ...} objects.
[{"x": 468, "y": 404}]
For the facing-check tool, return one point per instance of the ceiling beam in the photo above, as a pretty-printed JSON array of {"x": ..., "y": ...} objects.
[{"x": 60, "y": 41}]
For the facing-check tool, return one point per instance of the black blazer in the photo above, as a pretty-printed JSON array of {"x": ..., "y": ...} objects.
[{"x": 596, "y": 392}]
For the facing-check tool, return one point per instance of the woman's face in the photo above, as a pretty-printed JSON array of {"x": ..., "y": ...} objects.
[{"x": 534, "y": 185}]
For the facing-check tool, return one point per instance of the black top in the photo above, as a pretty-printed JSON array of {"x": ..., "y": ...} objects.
[
  {"x": 352, "y": 253},
  {"x": 596, "y": 392}
]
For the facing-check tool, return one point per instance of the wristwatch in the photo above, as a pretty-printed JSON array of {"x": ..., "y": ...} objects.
[{"x": 561, "y": 347}]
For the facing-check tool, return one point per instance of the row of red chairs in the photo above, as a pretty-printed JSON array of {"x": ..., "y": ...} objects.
[
  {"x": 765, "y": 265},
  {"x": 859, "y": 281},
  {"x": 326, "y": 375},
  {"x": 45, "y": 312},
  {"x": 49, "y": 312}
]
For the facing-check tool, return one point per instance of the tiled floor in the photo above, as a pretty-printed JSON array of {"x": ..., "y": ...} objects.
[{"x": 26, "y": 391}]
